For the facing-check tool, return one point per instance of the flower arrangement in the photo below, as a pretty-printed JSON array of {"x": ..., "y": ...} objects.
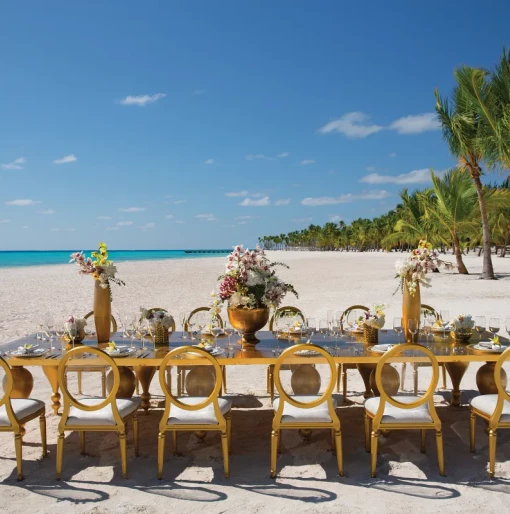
[
  {"x": 462, "y": 322},
  {"x": 414, "y": 268},
  {"x": 374, "y": 318},
  {"x": 155, "y": 318},
  {"x": 97, "y": 265},
  {"x": 74, "y": 325},
  {"x": 250, "y": 282}
]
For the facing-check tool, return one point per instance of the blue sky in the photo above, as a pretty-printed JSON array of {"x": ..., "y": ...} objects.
[{"x": 210, "y": 123}]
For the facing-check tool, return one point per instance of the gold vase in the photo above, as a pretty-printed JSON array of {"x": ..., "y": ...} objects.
[
  {"x": 462, "y": 335},
  {"x": 161, "y": 336},
  {"x": 248, "y": 321},
  {"x": 102, "y": 312},
  {"x": 411, "y": 309},
  {"x": 370, "y": 335}
]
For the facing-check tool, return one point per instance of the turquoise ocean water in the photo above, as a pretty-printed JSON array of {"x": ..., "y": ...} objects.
[{"x": 10, "y": 259}]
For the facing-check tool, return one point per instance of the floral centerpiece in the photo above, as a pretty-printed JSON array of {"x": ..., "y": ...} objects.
[
  {"x": 160, "y": 321},
  {"x": 104, "y": 273},
  {"x": 462, "y": 327},
  {"x": 412, "y": 272},
  {"x": 372, "y": 321},
  {"x": 251, "y": 288},
  {"x": 74, "y": 329}
]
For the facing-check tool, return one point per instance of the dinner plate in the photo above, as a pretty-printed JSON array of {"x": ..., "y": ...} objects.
[
  {"x": 441, "y": 329},
  {"x": 307, "y": 353},
  {"x": 211, "y": 350},
  {"x": 38, "y": 352},
  {"x": 479, "y": 348},
  {"x": 122, "y": 351},
  {"x": 380, "y": 348}
]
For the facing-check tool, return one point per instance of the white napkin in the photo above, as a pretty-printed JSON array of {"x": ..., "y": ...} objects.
[
  {"x": 22, "y": 349},
  {"x": 489, "y": 345}
]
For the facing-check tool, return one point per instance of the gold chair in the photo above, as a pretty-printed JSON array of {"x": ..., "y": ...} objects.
[
  {"x": 194, "y": 413},
  {"x": 494, "y": 409},
  {"x": 301, "y": 412},
  {"x": 282, "y": 311},
  {"x": 15, "y": 412},
  {"x": 342, "y": 368},
  {"x": 79, "y": 370},
  {"x": 95, "y": 414},
  {"x": 181, "y": 370},
  {"x": 425, "y": 309},
  {"x": 402, "y": 412}
]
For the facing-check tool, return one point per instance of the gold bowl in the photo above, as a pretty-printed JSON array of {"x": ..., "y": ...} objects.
[
  {"x": 248, "y": 321},
  {"x": 462, "y": 336}
]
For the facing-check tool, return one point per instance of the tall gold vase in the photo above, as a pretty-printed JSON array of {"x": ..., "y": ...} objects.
[
  {"x": 102, "y": 313},
  {"x": 411, "y": 309}
]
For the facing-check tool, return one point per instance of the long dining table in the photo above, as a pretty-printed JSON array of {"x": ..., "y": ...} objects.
[{"x": 145, "y": 361}]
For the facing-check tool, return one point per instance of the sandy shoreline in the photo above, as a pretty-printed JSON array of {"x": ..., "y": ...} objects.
[{"x": 193, "y": 481}]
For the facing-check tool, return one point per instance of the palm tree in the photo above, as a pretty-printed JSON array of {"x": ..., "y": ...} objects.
[{"x": 463, "y": 131}]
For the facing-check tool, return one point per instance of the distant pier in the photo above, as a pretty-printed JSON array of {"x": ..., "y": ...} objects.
[{"x": 207, "y": 251}]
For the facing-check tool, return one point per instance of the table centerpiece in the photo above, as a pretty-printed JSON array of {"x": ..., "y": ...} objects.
[
  {"x": 462, "y": 328},
  {"x": 74, "y": 330},
  {"x": 160, "y": 322},
  {"x": 104, "y": 273},
  {"x": 251, "y": 288},
  {"x": 412, "y": 272},
  {"x": 372, "y": 321}
]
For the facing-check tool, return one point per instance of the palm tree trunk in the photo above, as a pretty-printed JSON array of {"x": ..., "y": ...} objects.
[
  {"x": 461, "y": 267},
  {"x": 488, "y": 270}
]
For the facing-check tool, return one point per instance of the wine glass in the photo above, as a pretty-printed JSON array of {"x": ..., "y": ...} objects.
[
  {"x": 311, "y": 324},
  {"x": 480, "y": 325},
  {"x": 330, "y": 317},
  {"x": 216, "y": 330},
  {"x": 397, "y": 327},
  {"x": 60, "y": 331},
  {"x": 412, "y": 326},
  {"x": 131, "y": 333},
  {"x": 324, "y": 328},
  {"x": 229, "y": 331},
  {"x": 182, "y": 323},
  {"x": 352, "y": 322},
  {"x": 427, "y": 328},
  {"x": 494, "y": 326}
]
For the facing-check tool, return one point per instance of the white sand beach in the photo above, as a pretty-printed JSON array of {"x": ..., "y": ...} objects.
[{"x": 307, "y": 482}]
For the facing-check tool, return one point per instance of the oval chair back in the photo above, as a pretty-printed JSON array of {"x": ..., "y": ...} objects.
[
  {"x": 428, "y": 396},
  {"x": 113, "y": 324},
  {"x": 503, "y": 395},
  {"x": 286, "y": 398},
  {"x": 174, "y": 400},
  {"x": 347, "y": 311},
  {"x": 159, "y": 309},
  {"x": 6, "y": 398},
  {"x": 196, "y": 311},
  {"x": 71, "y": 401},
  {"x": 427, "y": 309},
  {"x": 285, "y": 311}
]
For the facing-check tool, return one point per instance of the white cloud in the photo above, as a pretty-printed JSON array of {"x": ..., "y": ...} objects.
[
  {"x": 54, "y": 230},
  {"x": 179, "y": 222},
  {"x": 283, "y": 155},
  {"x": 242, "y": 223},
  {"x": 205, "y": 217},
  {"x": 416, "y": 124},
  {"x": 62, "y": 229},
  {"x": 252, "y": 157},
  {"x": 169, "y": 216},
  {"x": 47, "y": 211},
  {"x": 67, "y": 158},
  {"x": 124, "y": 223},
  {"x": 4, "y": 221},
  {"x": 331, "y": 172},
  {"x": 345, "y": 198},
  {"x": 22, "y": 202},
  {"x": 335, "y": 218},
  {"x": 17, "y": 164},
  {"x": 228, "y": 226},
  {"x": 370, "y": 168},
  {"x": 352, "y": 124},
  {"x": 198, "y": 92},
  {"x": 132, "y": 209},
  {"x": 103, "y": 218},
  {"x": 302, "y": 220},
  {"x": 24, "y": 226},
  {"x": 392, "y": 155},
  {"x": 249, "y": 202},
  {"x": 178, "y": 202},
  {"x": 413, "y": 177},
  {"x": 282, "y": 201},
  {"x": 148, "y": 226},
  {"x": 142, "y": 100},
  {"x": 209, "y": 161},
  {"x": 168, "y": 196},
  {"x": 237, "y": 193},
  {"x": 246, "y": 218},
  {"x": 306, "y": 162},
  {"x": 69, "y": 229},
  {"x": 112, "y": 228}
]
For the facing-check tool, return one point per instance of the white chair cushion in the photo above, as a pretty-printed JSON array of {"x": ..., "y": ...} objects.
[
  {"x": 291, "y": 414},
  {"x": 104, "y": 416},
  {"x": 22, "y": 407},
  {"x": 394, "y": 414},
  {"x": 205, "y": 416},
  {"x": 486, "y": 403}
]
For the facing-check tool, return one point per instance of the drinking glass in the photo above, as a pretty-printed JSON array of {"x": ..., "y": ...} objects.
[
  {"x": 330, "y": 317},
  {"x": 60, "y": 332},
  {"x": 397, "y": 327},
  {"x": 412, "y": 326},
  {"x": 216, "y": 331},
  {"x": 324, "y": 328},
  {"x": 480, "y": 325},
  {"x": 445, "y": 317},
  {"x": 131, "y": 333},
  {"x": 311, "y": 324},
  {"x": 182, "y": 323},
  {"x": 427, "y": 328},
  {"x": 494, "y": 325},
  {"x": 228, "y": 332}
]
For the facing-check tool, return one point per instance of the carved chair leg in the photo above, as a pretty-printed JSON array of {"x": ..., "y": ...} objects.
[
  {"x": 492, "y": 452},
  {"x": 123, "y": 454},
  {"x": 374, "y": 438},
  {"x": 224, "y": 447},
  {"x": 161, "y": 453},
  {"x": 274, "y": 449},
  {"x": 440, "y": 454},
  {"x": 60, "y": 453},
  {"x": 18, "y": 444},
  {"x": 42, "y": 426},
  {"x": 472, "y": 431}
]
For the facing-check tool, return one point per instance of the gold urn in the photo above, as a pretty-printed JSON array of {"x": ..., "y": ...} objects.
[{"x": 248, "y": 322}]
